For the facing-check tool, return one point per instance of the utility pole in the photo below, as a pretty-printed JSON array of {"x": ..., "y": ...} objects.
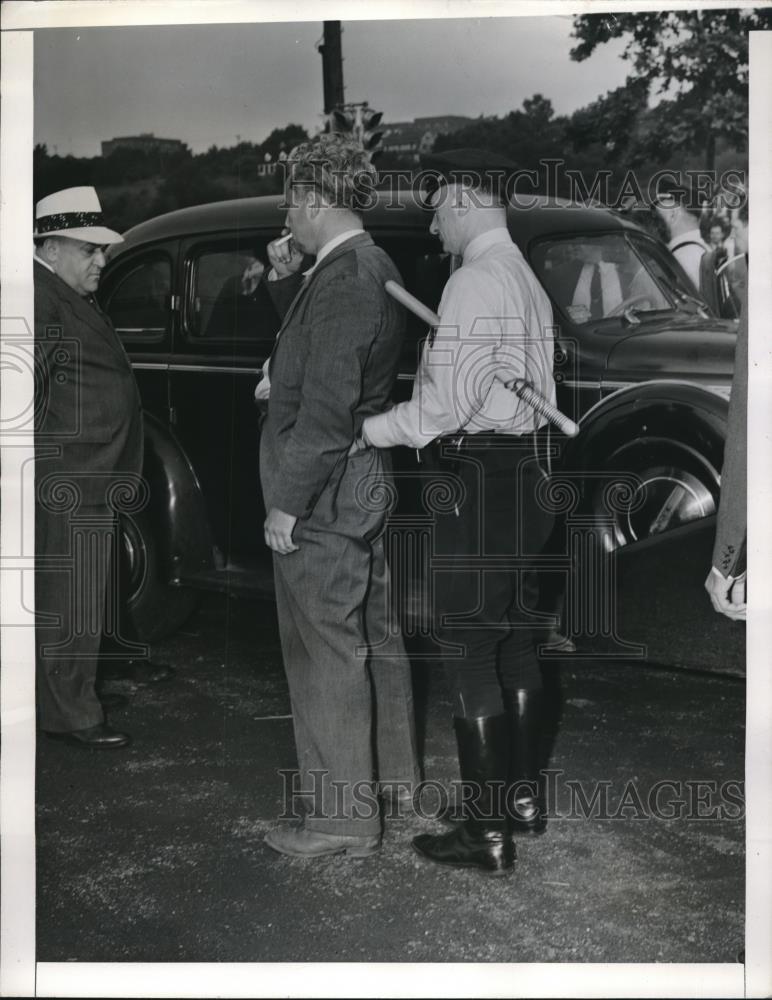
[{"x": 332, "y": 66}]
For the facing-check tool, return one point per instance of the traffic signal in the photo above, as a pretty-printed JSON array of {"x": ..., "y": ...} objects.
[
  {"x": 359, "y": 121},
  {"x": 339, "y": 120},
  {"x": 370, "y": 135}
]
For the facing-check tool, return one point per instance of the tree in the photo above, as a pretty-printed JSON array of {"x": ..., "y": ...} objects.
[
  {"x": 703, "y": 54},
  {"x": 284, "y": 139},
  {"x": 611, "y": 121},
  {"x": 525, "y": 136}
]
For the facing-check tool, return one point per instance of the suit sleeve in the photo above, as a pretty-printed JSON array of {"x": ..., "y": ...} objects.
[
  {"x": 347, "y": 315},
  {"x": 48, "y": 317},
  {"x": 731, "y": 523},
  {"x": 283, "y": 290}
]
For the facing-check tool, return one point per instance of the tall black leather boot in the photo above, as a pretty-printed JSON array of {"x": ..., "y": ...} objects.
[
  {"x": 482, "y": 840},
  {"x": 525, "y": 797}
]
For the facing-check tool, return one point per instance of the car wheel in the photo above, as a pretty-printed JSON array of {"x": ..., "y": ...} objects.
[
  {"x": 650, "y": 486},
  {"x": 156, "y": 608}
]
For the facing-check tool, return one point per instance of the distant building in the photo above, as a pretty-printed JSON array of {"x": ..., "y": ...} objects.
[
  {"x": 145, "y": 142},
  {"x": 444, "y": 123},
  {"x": 409, "y": 140}
]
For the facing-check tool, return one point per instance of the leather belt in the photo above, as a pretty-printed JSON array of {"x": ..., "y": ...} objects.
[{"x": 463, "y": 441}]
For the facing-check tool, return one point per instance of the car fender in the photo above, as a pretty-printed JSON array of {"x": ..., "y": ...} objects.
[
  {"x": 177, "y": 509},
  {"x": 685, "y": 411}
]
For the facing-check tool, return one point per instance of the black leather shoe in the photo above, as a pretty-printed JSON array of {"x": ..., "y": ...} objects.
[
  {"x": 111, "y": 700},
  {"x": 482, "y": 841},
  {"x": 139, "y": 671},
  {"x": 99, "y": 737},
  {"x": 470, "y": 845}
]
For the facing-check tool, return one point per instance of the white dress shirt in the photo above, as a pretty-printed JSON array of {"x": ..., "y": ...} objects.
[
  {"x": 690, "y": 253},
  {"x": 496, "y": 326},
  {"x": 610, "y": 288},
  {"x": 44, "y": 263}
]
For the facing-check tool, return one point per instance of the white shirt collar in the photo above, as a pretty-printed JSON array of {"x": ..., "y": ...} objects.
[
  {"x": 485, "y": 240},
  {"x": 41, "y": 261},
  {"x": 330, "y": 245}
]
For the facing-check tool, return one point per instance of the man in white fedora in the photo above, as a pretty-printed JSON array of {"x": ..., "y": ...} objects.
[{"x": 88, "y": 422}]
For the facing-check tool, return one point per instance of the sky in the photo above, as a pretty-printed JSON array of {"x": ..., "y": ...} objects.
[{"x": 210, "y": 84}]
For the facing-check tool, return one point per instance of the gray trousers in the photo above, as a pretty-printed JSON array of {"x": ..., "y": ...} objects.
[{"x": 347, "y": 671}]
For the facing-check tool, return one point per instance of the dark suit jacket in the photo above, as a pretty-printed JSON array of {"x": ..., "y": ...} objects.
[
  {"x": 334, "y": 364},
  {"x": 731, "y": 525},
  {"x": 88, "y": 418},
  {"x": 237, "y": 315}
]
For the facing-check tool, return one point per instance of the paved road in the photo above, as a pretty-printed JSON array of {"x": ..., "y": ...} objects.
[{"x": 155, "y": 854}]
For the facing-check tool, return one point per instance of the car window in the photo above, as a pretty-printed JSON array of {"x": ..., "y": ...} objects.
[
  {"x": 228, "y": 300},
  {"x": 424, "y": 269},
  {"x": 598, "y": 277},
  {"x": 139, "y": 299}
]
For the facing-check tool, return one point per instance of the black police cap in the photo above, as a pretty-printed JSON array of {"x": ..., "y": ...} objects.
[{"x": 465, "y": 165}]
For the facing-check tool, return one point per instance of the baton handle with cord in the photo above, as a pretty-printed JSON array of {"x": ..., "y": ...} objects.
[{"x": 524, "y": 390}]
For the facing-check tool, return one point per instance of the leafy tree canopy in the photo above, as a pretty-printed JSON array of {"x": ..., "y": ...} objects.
[
  {"x": 284, "y": 139},
  {"x": 702, "y": 55},
  {"x": 524, "y": 135}
]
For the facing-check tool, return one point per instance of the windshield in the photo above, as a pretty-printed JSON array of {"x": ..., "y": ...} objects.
[{"x": 599, "y": 277}]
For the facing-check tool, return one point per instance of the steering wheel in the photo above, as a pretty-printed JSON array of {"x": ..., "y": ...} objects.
[{"x": 628, "y": 304}]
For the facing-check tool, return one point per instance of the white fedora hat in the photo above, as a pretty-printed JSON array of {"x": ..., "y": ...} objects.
[{"x": 74, "y": 212}]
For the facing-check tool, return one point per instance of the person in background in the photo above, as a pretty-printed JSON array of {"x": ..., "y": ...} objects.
[
  {"x": 243, "y": 305},
  {"x": 726, "y": 582},
  {"x": 717, "y": 233},
  {"x": 673, "y": 208}
]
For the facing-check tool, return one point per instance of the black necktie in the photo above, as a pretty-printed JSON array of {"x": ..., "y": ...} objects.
[{"x": 596, "y": 294}]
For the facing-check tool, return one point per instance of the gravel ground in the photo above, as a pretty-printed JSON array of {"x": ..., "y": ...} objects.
[{"x": 155, "y": 854}]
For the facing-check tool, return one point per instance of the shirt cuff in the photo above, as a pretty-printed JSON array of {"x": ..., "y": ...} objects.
[
  {"x": 375, "y": 431},
  {"x": 397, "y": 427},
  {"x": 727, "y": 578}
]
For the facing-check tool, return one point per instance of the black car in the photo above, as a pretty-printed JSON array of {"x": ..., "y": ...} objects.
[{"x": 640, "y": 362}]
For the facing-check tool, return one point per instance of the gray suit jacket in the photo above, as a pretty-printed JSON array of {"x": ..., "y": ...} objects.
[
  {"x": 88, "y": 417},
  {"x": 731, "y": 525},
  {"x": 334, "y": 364}
]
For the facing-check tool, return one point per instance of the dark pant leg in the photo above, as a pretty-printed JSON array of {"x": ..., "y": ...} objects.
[
  {"x": 75, "y": 558},
  {"x": 518, "y": 663},
  {"x": 464, "y": 611},
  {"x": 119, "y": 636},
  {"x": 499, "y": 521}
]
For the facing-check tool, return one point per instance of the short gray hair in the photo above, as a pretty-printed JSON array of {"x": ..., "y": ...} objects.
[{"x": 335, "y": 165}]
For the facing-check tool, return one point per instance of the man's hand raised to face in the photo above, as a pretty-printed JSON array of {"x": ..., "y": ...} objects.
[{"x": 283, "y": 256}]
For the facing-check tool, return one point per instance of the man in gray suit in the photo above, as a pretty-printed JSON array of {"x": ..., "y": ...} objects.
[
  {"x": 334, "y": 363},
  {"x": 88, "y": 452}
]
